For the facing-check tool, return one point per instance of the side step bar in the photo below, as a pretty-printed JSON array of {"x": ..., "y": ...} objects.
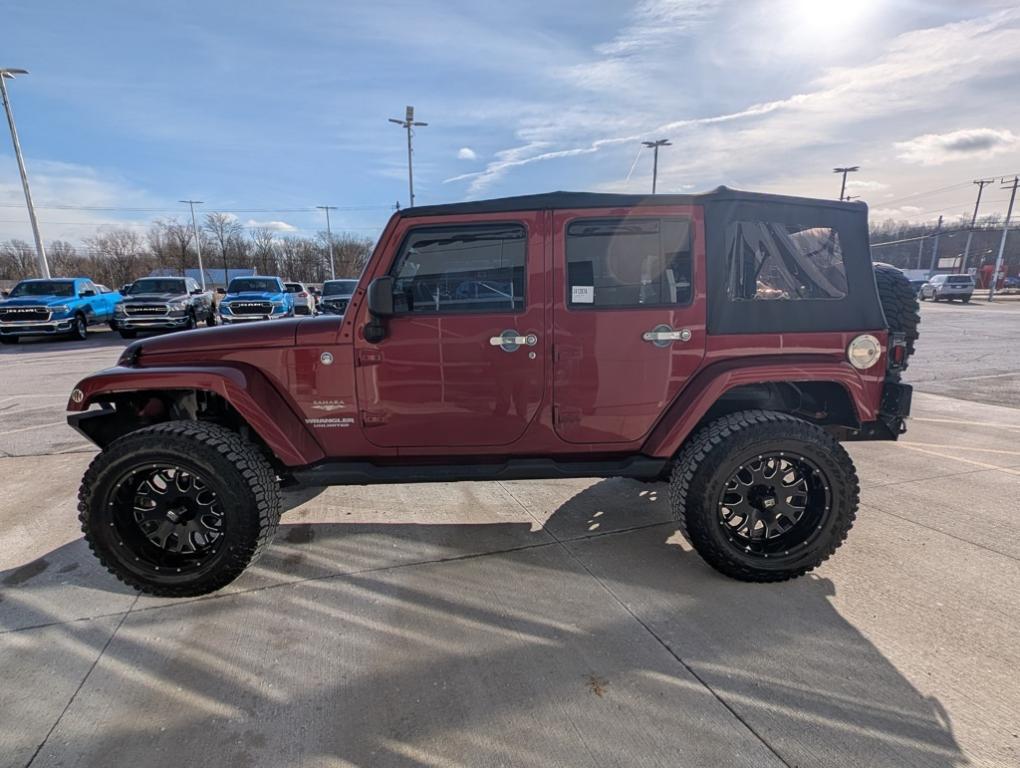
[{"x": 366, "y": 473}]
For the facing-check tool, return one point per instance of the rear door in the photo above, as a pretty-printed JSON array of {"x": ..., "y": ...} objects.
[
  {"x": 462, "y": 364},
  {"x": 628, "y": 317}
]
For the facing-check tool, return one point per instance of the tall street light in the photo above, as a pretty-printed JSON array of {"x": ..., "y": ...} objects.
[
  {"x": 409, "y": 123},
  {"x": 329, "y": 238},
  {"x": 7, "y": 73},
  {"x": 845, "y": 171},
  {"x": 654, "y": 146},
  {"x": 198, "y": 240}
]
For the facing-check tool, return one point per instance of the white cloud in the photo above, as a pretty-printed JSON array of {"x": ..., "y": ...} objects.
[
  {"x": 844, "y": 110},
  {"x": 275, "y": 226},
  {"x": 466, "y": 153},
  {"x": 865, "y": 186},
  {"x": 968, "y": 144}
]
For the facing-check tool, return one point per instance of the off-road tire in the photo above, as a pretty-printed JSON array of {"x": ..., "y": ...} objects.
[
  {"x": 238, "y": 473},
  {"x": 710, "y": 458},
  {"x": 128, "y": 334},
  {"x": 900, "y": 305},
  {"x": 210, "y": 321}
]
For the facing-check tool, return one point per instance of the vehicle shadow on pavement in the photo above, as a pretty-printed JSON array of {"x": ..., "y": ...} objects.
[{"x": 409, "y": 644}]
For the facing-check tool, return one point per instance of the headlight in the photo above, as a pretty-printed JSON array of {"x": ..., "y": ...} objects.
[
  {"x": 60, "y": 310},
  {"x": 177, "y": 306},
  {"x": 864, "y": 351},
  {"x": 119, "y": 310}
]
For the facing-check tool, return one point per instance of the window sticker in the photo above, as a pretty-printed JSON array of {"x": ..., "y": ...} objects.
[{"x": 582, "y": 294}]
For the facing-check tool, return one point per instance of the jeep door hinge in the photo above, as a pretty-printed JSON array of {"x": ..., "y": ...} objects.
[
  {"x": 373, "y": 418},
  {"x": 369, "y": 356}
]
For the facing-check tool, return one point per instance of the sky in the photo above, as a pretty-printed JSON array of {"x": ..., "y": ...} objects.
[{"x": 268, "y": 109}]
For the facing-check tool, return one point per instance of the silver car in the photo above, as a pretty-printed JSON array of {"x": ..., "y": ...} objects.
[
  {"x": 304, "y": 299},
  {"x": 947, "y": 287}
]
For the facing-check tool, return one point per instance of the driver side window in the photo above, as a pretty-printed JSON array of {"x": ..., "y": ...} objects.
[{"x": 473, "y": 268}]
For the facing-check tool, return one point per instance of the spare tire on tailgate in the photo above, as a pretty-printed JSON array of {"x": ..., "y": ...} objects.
[{"x": 899, "y": 303}]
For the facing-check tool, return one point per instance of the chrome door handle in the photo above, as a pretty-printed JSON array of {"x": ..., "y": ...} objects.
[
  {"x": 664, "y": 335},
  {"x": 511, "y": 341}
]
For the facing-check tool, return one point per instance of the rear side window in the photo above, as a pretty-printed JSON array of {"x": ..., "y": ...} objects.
[
  {"x": 475, "y": 268},
  {"x": 772, "y": 261},
  {"x": 634, "y": 262}
]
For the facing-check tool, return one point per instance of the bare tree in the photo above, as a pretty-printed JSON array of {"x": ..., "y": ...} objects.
[
  {"x": 118, "y": 256},
  {"x": 223, "y": 229},
  {"x": 17, "y": 260},
  {"x": 263, "y": 244}
]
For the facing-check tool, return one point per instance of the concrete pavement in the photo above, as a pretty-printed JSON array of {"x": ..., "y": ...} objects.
[{"x": 534, "y": 623}]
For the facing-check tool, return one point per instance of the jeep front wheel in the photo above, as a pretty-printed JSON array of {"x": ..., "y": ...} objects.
[
  {"x": 180, "y": 508},
  {"x": 763, "y": 496}
]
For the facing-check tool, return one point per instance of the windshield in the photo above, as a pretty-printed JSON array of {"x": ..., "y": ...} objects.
[
  {"x": 260, "y": 284},
  {"x": 44, "y": 288},
  {"x": 339, "y": 287},
  {"x": 158, "y": 285}
]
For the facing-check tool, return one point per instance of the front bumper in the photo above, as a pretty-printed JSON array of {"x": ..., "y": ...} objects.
[
  {"x": 231, "y": 319},
  {"x": 35, "y": 327},
  {"x": 155, "y": 323}
]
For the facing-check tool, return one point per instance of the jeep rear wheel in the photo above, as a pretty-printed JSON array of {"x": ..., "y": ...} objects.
[
  {"x": 180, "y": 508},
  {"x": 763, "y": 496}
]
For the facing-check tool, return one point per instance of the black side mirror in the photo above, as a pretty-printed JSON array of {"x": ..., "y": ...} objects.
[
  {"x": 196, "y": 292},
  {"x": 380, "y": 296},
  {"x": 87, "y": 294},
  {"x": 221, "y": 291}
]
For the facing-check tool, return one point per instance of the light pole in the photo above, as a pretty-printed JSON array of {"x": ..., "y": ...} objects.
[
  {"x": 409, "y": 123},
  {"x": 7, "y": 73},
  {"x": 654, "y": 146},
  {"x": 845, "y": 171},
  {"x": 329, "y": 238},
  {"x": 198, "y": 241}
]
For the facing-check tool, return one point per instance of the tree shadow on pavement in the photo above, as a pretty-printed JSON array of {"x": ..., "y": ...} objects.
[{"x": 480, "y": 644}]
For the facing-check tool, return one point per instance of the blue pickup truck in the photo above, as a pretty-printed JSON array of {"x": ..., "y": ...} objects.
[
  {"x": 256, "y": 298},
  {"x": 62, "y": 306}
]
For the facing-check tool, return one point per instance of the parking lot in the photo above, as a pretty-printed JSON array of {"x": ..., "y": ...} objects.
[{"x": 533, "y": 623}]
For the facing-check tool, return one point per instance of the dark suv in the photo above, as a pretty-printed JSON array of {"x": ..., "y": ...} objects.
[{"x": 724, "y": 343}]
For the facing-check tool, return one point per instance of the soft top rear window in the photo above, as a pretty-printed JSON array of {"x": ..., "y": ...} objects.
[{"x": 775, "y": 261}]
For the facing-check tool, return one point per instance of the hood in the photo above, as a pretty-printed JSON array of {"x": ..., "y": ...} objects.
[
  {"x": 145, "y": 298},
  {"x": 279, "y": 333},
  {"x": 35, "y": 301},
  {"x": 254, "y": 296}
]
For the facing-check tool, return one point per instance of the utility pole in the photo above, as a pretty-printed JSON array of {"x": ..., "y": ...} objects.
[
  {"x": 329, "y": 238},
  {"x": 973, "y": 220},
  {"x": 198, "y": 240},
  {"x": 920, "y": 251},
  {"x": 845, "y": 171},
  {"x": 654, "y": 146},
  {"x": 7, "y": 73},
  {"x": 1002, "y": 242},
  {"x": 935, "y": 248},
  {"x": 409, "y": 123}
]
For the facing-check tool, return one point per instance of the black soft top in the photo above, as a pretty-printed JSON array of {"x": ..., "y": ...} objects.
[{"x": 569, "y": 200}]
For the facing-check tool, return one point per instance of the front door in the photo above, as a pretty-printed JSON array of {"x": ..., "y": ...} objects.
[
  {"x": 629, "y": 318},
  {"x": 462, "y": 364}
]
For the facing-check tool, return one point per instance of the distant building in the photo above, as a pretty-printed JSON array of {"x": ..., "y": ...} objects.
[{"x": 214, "y": 278}]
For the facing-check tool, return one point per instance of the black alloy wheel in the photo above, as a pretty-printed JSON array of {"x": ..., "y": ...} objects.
[{"x": 773, "y": 503}]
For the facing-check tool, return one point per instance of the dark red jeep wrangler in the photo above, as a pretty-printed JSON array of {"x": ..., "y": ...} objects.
[{"x": 724, "y": 343}]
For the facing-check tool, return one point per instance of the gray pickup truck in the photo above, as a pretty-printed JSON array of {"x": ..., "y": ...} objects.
[{"x": 163, "y": 304}]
